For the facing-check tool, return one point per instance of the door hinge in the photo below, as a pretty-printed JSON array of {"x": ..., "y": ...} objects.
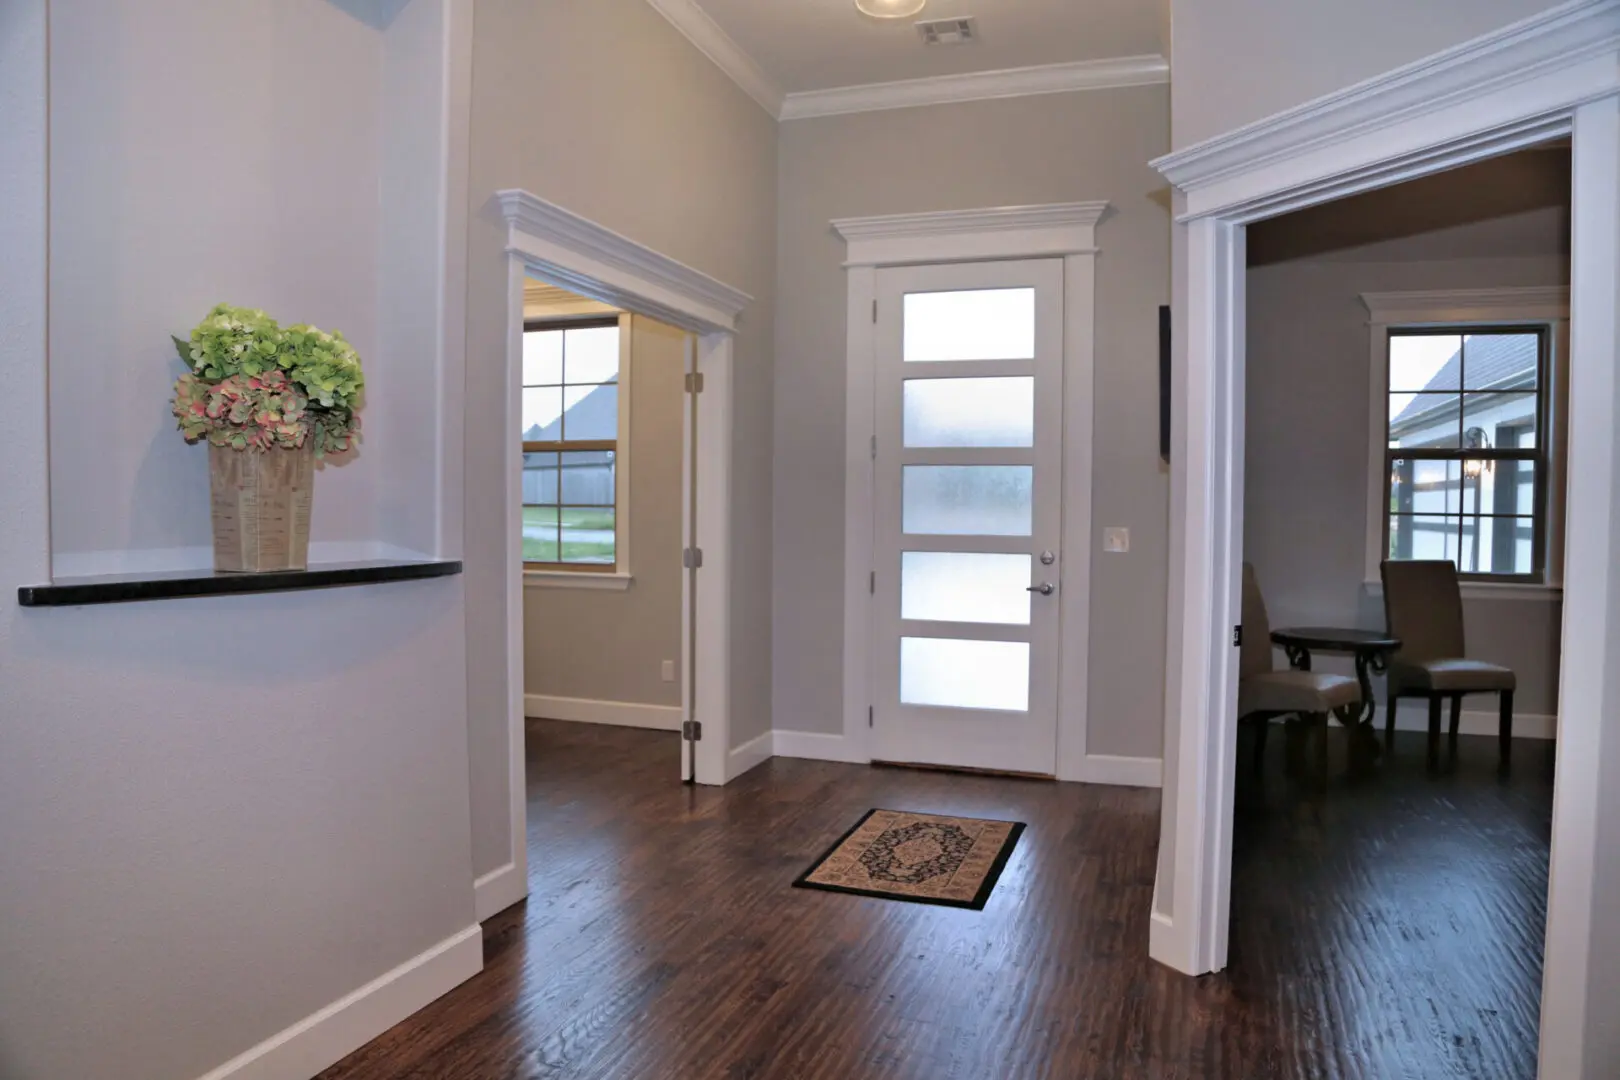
[
  {"x": 869, "y": 712},
  {"x": 694, "y": 382},
  {"x": 692, "y": 730},
  {"x": 692, "y": 558},
  {"x": 874, "y": 448},
  {"x": 874, "y": 311},
  {"x": 1237, "y": 636},
  {"x": 871, "y": 584}
]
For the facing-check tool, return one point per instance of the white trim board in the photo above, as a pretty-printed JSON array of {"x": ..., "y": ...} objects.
[
  {"x": 1144, "y": 772},
  {"x": 1497, "y": 93},
  {"x": 1112, "y": 73},
  {"x": 816, "y": 746},
  {"x": 565, "y": 249},
  {"x": 696, "y": 26},
  {"x": 324, "y": 1038},
  {"x": 1002, "y": 232},
  {"x": 594, "y": 711},
  {"x": 498, "y": 890},
  {"x": 751, "y": 754},
  {"x": 1414, "y": 716}
]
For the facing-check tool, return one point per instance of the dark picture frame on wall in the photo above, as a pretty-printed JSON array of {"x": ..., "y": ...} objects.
[{"x": 1164, "y": 383}]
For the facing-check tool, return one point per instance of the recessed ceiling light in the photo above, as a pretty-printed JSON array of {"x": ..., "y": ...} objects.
[{"x": 891, "y": 9}]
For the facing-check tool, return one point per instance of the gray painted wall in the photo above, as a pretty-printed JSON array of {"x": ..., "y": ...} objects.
[
  {"x": 678, "y": 158},
  {"x": 217, "y": 816},
  {"x": 1238, "y": 61},
  {"x": 1506, "y": 223},
  {"x": 980, "y": 154},
  {"x": 608, "y": 646}
]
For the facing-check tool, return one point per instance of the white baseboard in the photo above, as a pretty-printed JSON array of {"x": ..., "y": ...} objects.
[
  {"x": 498, "y": 890},
  {"x": 756, "y": 751},
  {"x": 591, "y": 711},
  {"x": 1121, "y": 771},
  {"x": 322, "y": 1039},
  {"x": 1414, "y": 716},
  {"x": 817, "y": 747},
  {"x": 1167, "y": 946}
]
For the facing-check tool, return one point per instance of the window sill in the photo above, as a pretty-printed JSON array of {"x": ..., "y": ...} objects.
[
  {"x": 1486, "y": 590},
  {"x": 575, "y": 579}
]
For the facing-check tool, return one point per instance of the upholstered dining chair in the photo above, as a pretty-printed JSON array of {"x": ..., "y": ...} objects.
[
  {"x": 1265, "y": 694},
  {"x": 1423, "y": 606}
]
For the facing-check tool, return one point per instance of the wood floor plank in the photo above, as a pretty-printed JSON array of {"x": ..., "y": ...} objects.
[{"x": 1386, "y": 925}]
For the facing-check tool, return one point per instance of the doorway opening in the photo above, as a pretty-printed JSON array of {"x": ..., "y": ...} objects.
[
  {"x": 1406, "y": 392},
  {"x": 548, "y": 244},
  {"x": 1549, "y": 77},
  {"x": 604, "y": 469}
]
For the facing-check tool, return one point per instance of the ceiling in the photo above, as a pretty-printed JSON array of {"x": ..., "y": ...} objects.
[{"x": 809, "y": 45}]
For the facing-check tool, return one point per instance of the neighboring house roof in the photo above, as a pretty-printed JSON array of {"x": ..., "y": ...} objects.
[
  {"x": 596, "y": 411},
  {"x": 1495, "y": 362}
]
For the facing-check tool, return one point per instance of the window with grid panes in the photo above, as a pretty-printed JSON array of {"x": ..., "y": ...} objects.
[
  {"x": 571, "y": 444},
  {"x": 1465, "y": 457}
]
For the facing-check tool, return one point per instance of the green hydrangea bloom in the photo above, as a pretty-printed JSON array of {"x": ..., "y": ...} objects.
[
  {"x": 232, "y": 341},
  {"x": 324, "y": 365}
]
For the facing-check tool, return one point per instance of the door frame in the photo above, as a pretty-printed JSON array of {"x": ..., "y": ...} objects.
[
  {"x": 549, "y": 242},
  {"x": 1063, "y": 230},
  {"x": 1554, "y": 75}
]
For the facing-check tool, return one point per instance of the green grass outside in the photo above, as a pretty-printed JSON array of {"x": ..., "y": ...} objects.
[{"x": 573, "y": 517}]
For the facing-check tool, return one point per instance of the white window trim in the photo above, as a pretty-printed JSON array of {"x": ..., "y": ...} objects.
[
  {"x": 1548, "y": 306},
  {"x": 557, "y": 578}
]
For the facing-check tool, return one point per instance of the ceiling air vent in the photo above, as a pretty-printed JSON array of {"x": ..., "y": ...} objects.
[{"x": 949, "y": 31}]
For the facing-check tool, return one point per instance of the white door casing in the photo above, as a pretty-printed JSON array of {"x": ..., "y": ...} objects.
[
  {"x": 1066, "y": 231},
  {"x": 546, "y": 241},
  {"x": 1553, "y": 75},
  {"x": 978, "y": 585}
]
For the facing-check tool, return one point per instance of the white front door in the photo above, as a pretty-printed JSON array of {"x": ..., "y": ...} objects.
[{"x": 968, "y": 521}]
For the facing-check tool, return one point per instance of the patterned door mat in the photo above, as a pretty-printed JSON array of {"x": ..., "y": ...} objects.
[{"x": 924, "y": 858}]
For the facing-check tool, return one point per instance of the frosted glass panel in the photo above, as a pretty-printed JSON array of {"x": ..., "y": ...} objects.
[
  {"x": 968, "y": 500},
  {"x": 965, "y": 674},
  {"x": 959, "y": 587},
  {"x": 984, "y": 324},
  {"x": 970, "y": 412}
]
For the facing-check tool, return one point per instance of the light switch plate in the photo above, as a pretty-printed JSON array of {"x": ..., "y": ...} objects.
[
  {"x": 669, "y": 671},
  {"x": 1116, "y": 539}
]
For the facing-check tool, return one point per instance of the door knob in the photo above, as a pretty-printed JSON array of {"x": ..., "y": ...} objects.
[{"x": 1045, "y": 588}]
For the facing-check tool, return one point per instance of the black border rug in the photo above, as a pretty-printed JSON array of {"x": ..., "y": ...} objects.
[{"x": 948, "y": 879}]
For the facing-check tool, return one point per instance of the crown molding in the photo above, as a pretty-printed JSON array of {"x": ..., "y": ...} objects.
[
  {"x": 694, "y": 23},
  {"x": 602, "y": 265},
  {"x": 999, "y": 233},
  {"x": 1563, "y": 52},
  {"x": 979, "y": 86},
  {"x": 1453, "y": 305}
]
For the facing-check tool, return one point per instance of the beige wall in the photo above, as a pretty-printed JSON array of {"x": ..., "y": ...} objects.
[
  {"x": 1238, "y": 61},
  {"x": 604, "y": 645},
  {"x": 991, "y": 153},
  {"x": 605, "y": 109},
  {"x": 1308, "y": 356}
]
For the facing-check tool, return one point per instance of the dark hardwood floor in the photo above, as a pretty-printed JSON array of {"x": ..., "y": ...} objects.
[{"x": 1385, "y": 926}]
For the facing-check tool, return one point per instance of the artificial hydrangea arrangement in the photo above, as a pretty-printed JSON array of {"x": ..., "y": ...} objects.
[{"x": 256, "y": 386}]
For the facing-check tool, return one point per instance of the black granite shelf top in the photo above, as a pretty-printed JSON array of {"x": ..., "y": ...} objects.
[{"x": 125, "y": 588}]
